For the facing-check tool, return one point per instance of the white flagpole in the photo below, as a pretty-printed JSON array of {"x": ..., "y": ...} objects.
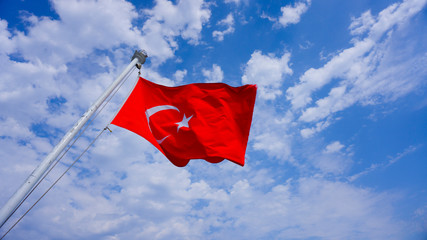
[{"x": 7, "y": 210}]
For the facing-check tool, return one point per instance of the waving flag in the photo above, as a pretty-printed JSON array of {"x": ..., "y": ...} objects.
[{"x": 209, "y": 121}]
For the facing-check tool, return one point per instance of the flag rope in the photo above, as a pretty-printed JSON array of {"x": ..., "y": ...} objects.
[{"x": 65, "y": 152}]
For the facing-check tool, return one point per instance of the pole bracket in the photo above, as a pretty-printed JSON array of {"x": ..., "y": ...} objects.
[{"x": 141, "y": 56}]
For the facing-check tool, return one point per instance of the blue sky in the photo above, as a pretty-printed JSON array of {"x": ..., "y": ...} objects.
[{"x": 337, "y": 148}]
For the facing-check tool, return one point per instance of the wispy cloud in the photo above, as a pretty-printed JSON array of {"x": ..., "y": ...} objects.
[
  {"x": 369, "y": 71},
  {"x": 228, "y": 22},
  {"x": 386, "y": 164}
]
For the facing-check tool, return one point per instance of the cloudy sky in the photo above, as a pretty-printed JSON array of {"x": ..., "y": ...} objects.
[{"x": 338, "y": 144}]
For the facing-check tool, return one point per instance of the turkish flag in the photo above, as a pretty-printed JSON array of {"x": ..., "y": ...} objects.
[{"x": 209, "y": 121}]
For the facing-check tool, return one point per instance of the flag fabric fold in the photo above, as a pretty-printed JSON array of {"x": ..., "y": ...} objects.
[{"x": 209, "y": 121}]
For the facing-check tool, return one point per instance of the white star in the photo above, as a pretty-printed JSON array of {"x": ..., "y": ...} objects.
[{"x": 183, "y": 123}]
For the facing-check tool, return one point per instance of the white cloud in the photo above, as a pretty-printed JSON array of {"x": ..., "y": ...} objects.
[
  {"x": 292, "y": 14},
  {"x": 420, "y": 215},
  {"x": 232, "y": 1},
  {"x": 371, "y": 70},
  {"x": 334, "y": 147},
  {"x": 270, "y": 132},
  {"x": 332, "y": 160},
  {"x": 335, "y": 164},
  {"x": 156, "y": 77},
  {"x": 237, "y": 2},
  {"x": 303, "y": 209},
  {"x": 318, "y": 127},
  {"x": 7, "y": 46},
  {"x": 268, "y": 72},
  {"x": 167, "y": 21},
  {"x": 265, "y": 16},
  {"x": 314, "y": 79},
  {"x": 30, "y": 93},
  {"x": 362, "y": 24},
  {"x": 83, "y": 25},
  {"x": 179, "y": 75},
  {"x": 185, "y": 19},
  {"x": 11, "y": 128},
  {"x": 228, "y": 22},
  {"x": 132, "y": 199},
  {"x": 214, "y": 75}
]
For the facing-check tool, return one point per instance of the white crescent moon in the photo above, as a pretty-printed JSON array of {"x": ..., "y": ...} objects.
[
  {"x": 151, "y": 111},
  {"x": 156, "y": 109}
]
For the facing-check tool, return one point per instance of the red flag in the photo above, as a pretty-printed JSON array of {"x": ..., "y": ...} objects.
[{"x": 208, "y": 121}]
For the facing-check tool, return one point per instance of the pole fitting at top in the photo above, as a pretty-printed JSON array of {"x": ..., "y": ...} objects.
[{"x": 141, "y": 56}]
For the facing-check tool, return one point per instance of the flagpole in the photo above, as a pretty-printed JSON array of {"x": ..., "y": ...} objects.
[{"x": 8, "y": 209}]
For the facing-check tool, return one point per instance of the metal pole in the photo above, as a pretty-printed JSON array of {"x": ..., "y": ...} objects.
[{"x": 7, "y": 210}]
